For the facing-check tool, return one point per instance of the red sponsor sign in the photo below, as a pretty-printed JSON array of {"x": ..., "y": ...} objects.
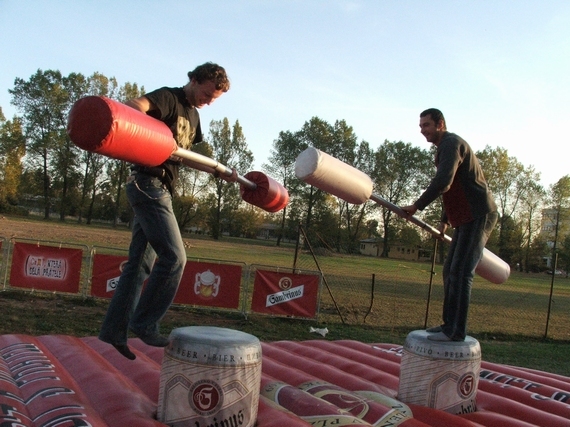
[
  {"x": 285, "y": 294},
  {"x": 210, "y": 284},
  {"x": 106, "y": 272},
  {"x": 48, "y": 268}
]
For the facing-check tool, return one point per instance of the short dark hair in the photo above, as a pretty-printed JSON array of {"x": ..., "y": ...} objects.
[
  {"x": 435, "y": 114},
  {"x": 211, "y": 72}
]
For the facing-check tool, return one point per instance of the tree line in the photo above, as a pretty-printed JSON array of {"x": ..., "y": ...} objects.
[{"x": 41, "y": 170}]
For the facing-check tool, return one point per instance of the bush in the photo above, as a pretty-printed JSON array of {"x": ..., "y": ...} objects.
[{"x": 13, "y": 210}]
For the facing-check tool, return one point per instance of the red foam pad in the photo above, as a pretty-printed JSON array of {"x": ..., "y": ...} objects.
[
  {"x": 102, "y": 125},
  {"x": 269, "y": 194}
]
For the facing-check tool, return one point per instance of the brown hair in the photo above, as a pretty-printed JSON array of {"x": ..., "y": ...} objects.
[{"x": 211, "y": 72}]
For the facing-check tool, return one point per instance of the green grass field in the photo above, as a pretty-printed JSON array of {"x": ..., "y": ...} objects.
[{"x": 509, "y": 320}]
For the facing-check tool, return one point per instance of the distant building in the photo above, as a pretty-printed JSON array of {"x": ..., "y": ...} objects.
[
  {"x": 548, "y": 228},
  {"x": 373, "y": 247},
  {"x": 370, "y": 247},
  {"x": 268, "y": 231}
]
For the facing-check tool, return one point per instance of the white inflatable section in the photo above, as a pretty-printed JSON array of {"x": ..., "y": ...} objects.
[
  {"x": 333, "y": 176},
  {"x": 329, "y": 174},
  {"x": 493, "y": 268}
]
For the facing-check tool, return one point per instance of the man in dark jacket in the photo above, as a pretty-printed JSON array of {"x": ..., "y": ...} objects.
[{"x": 468, "y": 207}]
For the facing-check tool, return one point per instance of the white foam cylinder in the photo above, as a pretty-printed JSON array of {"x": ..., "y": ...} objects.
[
  {"x": 329, "y": 174},
  {"x": 210, "y": 376},
  {"x": 493, "y": 268},
  {"x": 440, "y": 375}
]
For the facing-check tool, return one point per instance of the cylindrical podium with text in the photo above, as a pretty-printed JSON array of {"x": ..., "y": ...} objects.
[
  {"x": 209, "y": 376},
  {"x": 440, "y": 375}
]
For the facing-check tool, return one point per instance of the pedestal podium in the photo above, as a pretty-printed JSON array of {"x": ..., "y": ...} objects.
[
  {"x": 210, "y": 376},
  {"x": 440, "y": 375}
]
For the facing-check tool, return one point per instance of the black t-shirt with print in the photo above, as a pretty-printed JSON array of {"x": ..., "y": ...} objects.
[{"x": 175, "y": 111}]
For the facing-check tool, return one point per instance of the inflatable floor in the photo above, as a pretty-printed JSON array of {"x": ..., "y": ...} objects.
[{"x": 67, "y": 381}]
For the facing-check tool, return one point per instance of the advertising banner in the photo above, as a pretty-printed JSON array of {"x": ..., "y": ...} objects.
[
  {"x": 285, "y": 294},
  {"x": 47, "y": 268},
  {"x": 203, "y": 283},
  {"x": 210, "y": 284},
  {"x": 106, "y": 272}
]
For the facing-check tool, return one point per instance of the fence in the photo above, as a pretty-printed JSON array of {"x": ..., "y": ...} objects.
[
  {"x": 398, "y": 294},
  {"x": 212, "y": 284},
  {"x": 389, "y": 293}
]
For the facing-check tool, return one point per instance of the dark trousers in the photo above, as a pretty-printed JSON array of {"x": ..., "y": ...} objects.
[
  {"x": 466, "y": 250},
  {"x": 154, "y": 225}
]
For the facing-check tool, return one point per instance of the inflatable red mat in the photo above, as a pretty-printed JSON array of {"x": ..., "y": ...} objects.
[{"x": 59, "y": 380}]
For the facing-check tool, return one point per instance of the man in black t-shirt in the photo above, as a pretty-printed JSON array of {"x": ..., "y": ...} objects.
[{"x": 155, "y": 233}]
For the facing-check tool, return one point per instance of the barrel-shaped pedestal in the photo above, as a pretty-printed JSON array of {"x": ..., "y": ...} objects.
[
  {"x": 210, "y": 376},
  {"x": 440, "y": 375}
]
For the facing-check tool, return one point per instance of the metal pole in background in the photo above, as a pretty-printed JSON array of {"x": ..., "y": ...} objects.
[
  {"x": 432, "y": 273},
  {"x": 554, "y": 266},
  {"x": 371, "y": 298}
]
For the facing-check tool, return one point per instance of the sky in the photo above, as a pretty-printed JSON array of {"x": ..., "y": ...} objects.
[{"x": 498, "y": 69}]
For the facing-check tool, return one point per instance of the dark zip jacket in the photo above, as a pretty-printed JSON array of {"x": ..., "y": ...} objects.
[{"x": 459, "y": 179}]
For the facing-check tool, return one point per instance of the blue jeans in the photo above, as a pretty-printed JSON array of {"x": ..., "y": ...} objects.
[
  {"x": 155, "y": 234},
  {"x": 465, "y": 252}
]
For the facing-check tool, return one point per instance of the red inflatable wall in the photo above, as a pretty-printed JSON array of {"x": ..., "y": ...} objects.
[{"x": 67, "y": 381}]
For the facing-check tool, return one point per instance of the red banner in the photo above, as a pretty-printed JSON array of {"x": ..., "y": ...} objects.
[
  {"x": 48, "y": 268},
  {"x": 210, "y": 284},
  {"x": 285, "y": 294},
  {"x": 106, "y": 272},
  {"x": 203, "y": 283}
]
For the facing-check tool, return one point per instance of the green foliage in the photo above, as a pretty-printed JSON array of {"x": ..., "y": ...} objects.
[
  {"x": 409, "y": 236},
  {"x": 12, "y": 151},
  {"x": 511, "y": 241},
  {"x": 560, "y": 193},
  {"x": 564, "y": 254},
  {"x": 189, "y": 212},
  {"x": 400, "y": 173},
  {"x": 281, "y": 166},
  {"x": 229, "y": 147},
  {"x": 42, "y": 170},
  {"x": 535, "y": 257},
  {"x": 512, "y": 184}
]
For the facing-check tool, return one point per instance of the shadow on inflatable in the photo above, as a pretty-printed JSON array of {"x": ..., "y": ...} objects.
[{"x": 61, "y": 380}]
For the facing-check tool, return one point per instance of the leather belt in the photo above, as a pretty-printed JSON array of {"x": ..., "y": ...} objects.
[{"x": 156, "y": 171}]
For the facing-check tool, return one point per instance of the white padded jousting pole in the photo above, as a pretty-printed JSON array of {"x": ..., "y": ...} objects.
[{"x": 329, "y": 174}]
